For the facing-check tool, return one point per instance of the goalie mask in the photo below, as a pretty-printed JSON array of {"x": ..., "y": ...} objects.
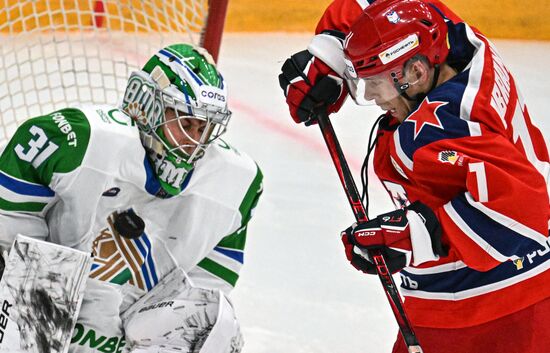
[{"x": 179, "y": 102}]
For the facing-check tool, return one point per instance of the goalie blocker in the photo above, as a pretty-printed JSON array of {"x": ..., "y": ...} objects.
[{"x": 40, "y": 294}]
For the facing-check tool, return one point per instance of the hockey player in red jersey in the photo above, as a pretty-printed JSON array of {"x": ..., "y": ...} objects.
[{"x": 460, "y": 157}]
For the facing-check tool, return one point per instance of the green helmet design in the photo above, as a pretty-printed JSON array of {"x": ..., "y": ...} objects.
[{"x": 179, "y": 102}]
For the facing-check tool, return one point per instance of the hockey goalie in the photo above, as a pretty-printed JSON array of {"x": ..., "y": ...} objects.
[{"x": 142, "y": 208}]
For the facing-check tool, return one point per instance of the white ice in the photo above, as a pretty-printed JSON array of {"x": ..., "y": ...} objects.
[{"x": 297, "y": 293}]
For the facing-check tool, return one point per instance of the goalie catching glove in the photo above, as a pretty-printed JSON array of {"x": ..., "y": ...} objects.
[
  {"x": 406, "y": 236},
  {"x": 310, "y": 84}
]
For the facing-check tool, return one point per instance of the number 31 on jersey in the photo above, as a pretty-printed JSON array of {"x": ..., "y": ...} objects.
[{"x": 39, "y": 148}]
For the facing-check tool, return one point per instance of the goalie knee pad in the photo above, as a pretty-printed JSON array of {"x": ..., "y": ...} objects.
[{"x": 188, "y": 319}]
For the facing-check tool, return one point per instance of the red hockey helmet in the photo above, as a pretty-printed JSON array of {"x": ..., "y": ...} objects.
[{"x": 390, "y": 32}]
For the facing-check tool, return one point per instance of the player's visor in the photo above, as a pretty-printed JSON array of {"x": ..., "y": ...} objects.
[{"x": 380, "y": 88}]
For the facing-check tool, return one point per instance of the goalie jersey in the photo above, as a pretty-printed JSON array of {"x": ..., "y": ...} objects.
[
  {"x": 469, "y": 151},
  {"x": 63, "y": 175}
]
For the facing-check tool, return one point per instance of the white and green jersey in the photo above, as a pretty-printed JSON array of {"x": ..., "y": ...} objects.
[{"x": 63, "y": 175}]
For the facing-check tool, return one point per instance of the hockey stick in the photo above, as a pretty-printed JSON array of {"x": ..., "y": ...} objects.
[{"x": 354, "y": 199}]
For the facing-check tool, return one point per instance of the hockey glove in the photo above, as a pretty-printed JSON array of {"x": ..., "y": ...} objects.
[
  {"x": 407, "y": 236},
  {"x": 309, "y": 84}
]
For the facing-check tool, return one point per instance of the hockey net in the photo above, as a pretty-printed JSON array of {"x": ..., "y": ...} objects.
[{"x": 61, "y": 53}]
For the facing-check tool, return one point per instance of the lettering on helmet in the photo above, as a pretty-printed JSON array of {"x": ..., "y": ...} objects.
[
  {"x": 399, "y": 49},
  {"x": 212, "y": 96},
  {"x": 350, "y": 69},
  {"x": 349, "y": 66},
  {"x": 144, "y": 102}
]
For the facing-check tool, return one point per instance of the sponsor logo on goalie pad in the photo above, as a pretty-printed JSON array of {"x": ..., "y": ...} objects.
[
  {"x": 88, "y": 337},
  {"x": 4, "y": 318}
]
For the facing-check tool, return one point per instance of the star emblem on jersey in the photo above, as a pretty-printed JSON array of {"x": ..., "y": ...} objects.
[{"x": 426, "y": 114}]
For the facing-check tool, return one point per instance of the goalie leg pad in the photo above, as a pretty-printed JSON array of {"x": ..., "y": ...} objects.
[
  {"x": 182, "y": 318},
  {"x": 41, "y": 292}
]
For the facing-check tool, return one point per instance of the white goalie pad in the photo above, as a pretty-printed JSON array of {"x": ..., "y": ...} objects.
[
  {"x": 40, "y": 294},
  {"x": 177, "y": 317}
]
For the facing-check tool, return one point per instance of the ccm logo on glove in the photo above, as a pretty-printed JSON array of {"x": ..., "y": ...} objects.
[{"x": 364, "y": 233}]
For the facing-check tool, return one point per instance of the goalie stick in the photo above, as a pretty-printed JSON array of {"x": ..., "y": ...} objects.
[{"x": 354, "y": 199}]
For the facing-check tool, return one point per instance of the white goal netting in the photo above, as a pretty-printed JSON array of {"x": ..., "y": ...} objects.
[{"x": 60, "y": 53}]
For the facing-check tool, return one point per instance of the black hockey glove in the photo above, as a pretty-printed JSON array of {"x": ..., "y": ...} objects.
[
  {"x": 391, "y": 232},
  {"x": 310, "y": 85}
]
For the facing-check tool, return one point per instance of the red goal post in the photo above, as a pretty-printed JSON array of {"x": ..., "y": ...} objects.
[{"x": 60, "y": 53}]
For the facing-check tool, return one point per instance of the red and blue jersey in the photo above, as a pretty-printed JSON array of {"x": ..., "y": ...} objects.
[{"x": 469, "y": 151}]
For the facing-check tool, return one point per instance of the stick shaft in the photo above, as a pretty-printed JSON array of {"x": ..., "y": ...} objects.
[{"x": 354, "y": 199}]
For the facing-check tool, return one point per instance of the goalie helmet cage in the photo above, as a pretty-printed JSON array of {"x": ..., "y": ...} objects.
[{"x": 60, "y": 53}]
